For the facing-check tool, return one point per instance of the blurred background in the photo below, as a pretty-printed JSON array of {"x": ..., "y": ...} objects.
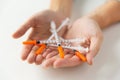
[{"x": 14, "y": 12}]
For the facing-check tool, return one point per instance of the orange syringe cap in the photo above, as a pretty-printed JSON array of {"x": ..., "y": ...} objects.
[
  {"x": 81, "y": 56},
  {"x": 40, "y": 50},
  {"x": 30, "y": 42},
  {"x": 61, "y": 52}
]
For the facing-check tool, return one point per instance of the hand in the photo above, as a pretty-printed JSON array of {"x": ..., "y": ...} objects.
[
  {"x": 89, "y": 29},
  {"x": 82, "y": 28},
  {"x": 40, "y": 24}
]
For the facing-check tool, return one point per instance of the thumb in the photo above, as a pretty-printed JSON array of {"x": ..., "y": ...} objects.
[
  {"x": 94, "y": 48},
  {"x": 21, "y": 31}
]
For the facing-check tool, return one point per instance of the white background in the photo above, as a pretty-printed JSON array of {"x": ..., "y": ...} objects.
[{"x": 14, "y": 12}]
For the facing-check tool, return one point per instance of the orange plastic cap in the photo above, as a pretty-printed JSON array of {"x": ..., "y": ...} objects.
[
  {"x": 30, "y": 42},
  {"x": 81, "y": 56},
  {"x": 40, "y": 50},
  {"x": 61, "y": 52}
]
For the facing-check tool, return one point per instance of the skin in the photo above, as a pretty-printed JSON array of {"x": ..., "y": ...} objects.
[
  {"x": 82, "y": 28},
  {"x": 40, "y": 30},
  {"x": 89, "y": 27},
  {"x": 40, "y": 24}
]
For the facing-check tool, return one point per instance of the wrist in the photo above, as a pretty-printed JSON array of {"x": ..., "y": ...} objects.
[
  {"x": 61, "y": 6},
  {"x": 107, "y": 14}
]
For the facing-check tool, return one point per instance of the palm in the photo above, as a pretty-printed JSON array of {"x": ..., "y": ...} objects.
[
  {"x": 40, "y": 24},
  {"x": 82, "y": 28}
]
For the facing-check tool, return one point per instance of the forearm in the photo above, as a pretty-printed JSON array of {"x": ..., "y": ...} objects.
[
  {"x": 62, "y": 6},
  {"x": 107, "y": 14}
]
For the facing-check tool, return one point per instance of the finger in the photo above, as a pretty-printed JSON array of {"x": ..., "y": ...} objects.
[
  {"x": 25, "y": 51},
  {"x": 94, "y": 48},
  {"x": 68, "y": 56},
  {"x": 55, "y": 52},
  {"x": 21, "y": 31},
  {"x": 39, "y": 59},
  {"x": 68, "y": 53},
  {"x": 74, "y": 61},
  {"x": 46, "y": 52},
  {"x": 32, "y": 56},
  {"x": 48, "y": 62},
  {"x": 51, "y": 54}
]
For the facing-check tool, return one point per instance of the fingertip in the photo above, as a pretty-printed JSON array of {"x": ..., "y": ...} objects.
[
  {"x": 30, "y": 62},
  {"x": 89, "y": 59},
  {"x": 58, "y": 64},
  {"x": 31, "y": 59},
  {"x": 48, "y": 62},
  {"x": 19, "y": 33},
  {"x": 45, "y": 64},
  {"x": 25, "y": 52},
  {"x": 14, "y": 36},
  {"x": 90, "y": 62},
  {"x": 23, "y": 57},
  {"x": 39, "y": 59}
]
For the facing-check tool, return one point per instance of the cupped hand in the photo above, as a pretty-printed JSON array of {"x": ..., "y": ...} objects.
[
  {"x": 40, "y": 24},
  {"x": 89, "y": 29},
  {"x": 82, "y": 28}
]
